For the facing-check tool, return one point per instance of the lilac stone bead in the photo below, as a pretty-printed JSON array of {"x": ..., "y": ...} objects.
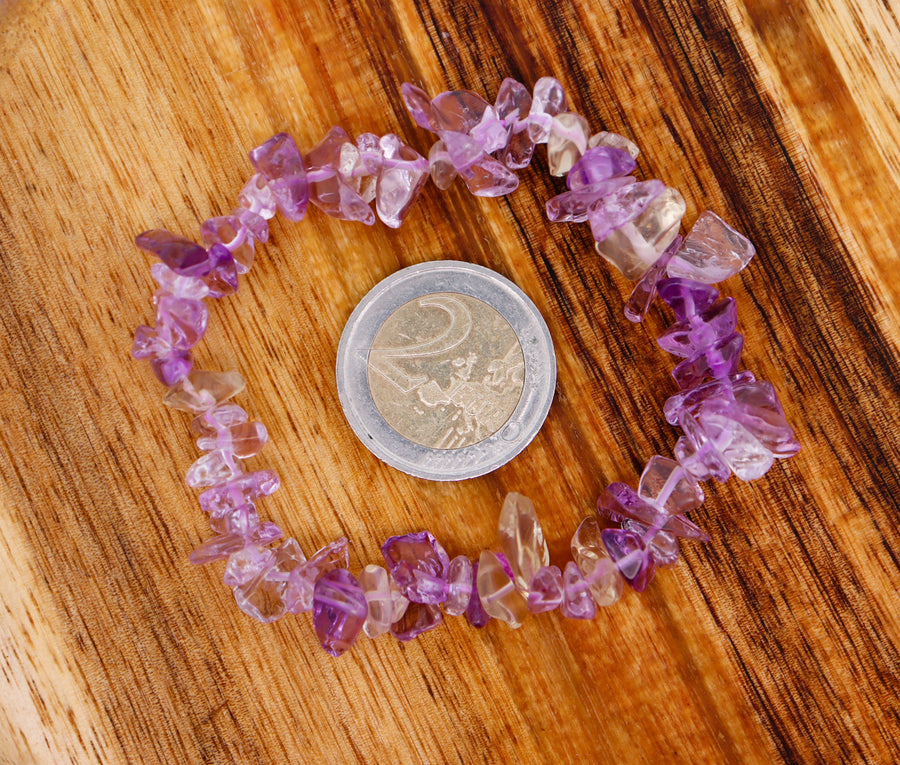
[
  {"x": 574, "y": 206},
  {"x": 279, "y": 161},
  {"x": 170, "y": 363},
  {"x": 257, "y": 198},
  {"x": 505, "y": 564},
  {"x": 604, "y": 138},
  {"x": 668, "y": 487},
  {"x": 519, "y": 148},
  {"x": 475, "y": 613},
  {"x": 327, "y": 188},
  {"x": 222, "y": 278},
  {"x": 217, "y": 548},
  {"x": 376, "y": 584},
  {"x": 459, "y": 585},
  {"x": 490, "y": 178},
  {"x": 224, "y": 544},
  {"x": 181, "y": 255},
  {"x": 228, "y": 231},
  {"x": 418, "y": 618},
  {"x": 714, "y": 440},
  {"x": 339, "y": 610},
  {"x": 255, "y": 224},
  {"x": 491, "y": 133},
  {"x": 712, "y": 251},
  {"x": 244, "y": 439},
  {"x": 497, "y": 590},
  {"x": 699, "y": 332},
  {"x": 266, "y": 533},
  {"x": 761, "y": 413},
  {"x": 631, "y": 555},
  {"x": 418, "y": 103},
  {"x": 740, "y": 398},
  {"x": 512, "y": 106},
  {"x": 302, "y": 579},
  {"x": 697, "y": 453},
  {"x": 513, "y": 102},
  {"x": 546, "y": 590},
  {"x": 463, "y": 150},
  {"x": 663, "y": 546},
  {"x": 371, "y": 155},
  {"x": 625, "y": 204},
  {"x": 440, "y": 166},
  {"x": 323, "y": 161},
  {"x": 620, "y": 502},
  {"x": 239, "y": 491},
  {"x": 181, "y": 321},
  {"x": 691, "y": 400},
  {"x": 202, "y": 390},
  {"x": 598, "y": 165},
  {"x": 566, "y": 143},
  {"x": 644, "y": 292},
  {"x": 419, "y": 565},
  {"x": 686, "y": 297},
  {"x": 402, "y": 175},
  {"x": 172, "y": 368},
  {"x": 149, "y": 343},
  {"x": 220, "y": 417},
  {"x": 170, "y": 283},
  {"x": 719, "y": 362},
  {"x": 458, "y": 110},
  {"x": 241, "y": 520},
  {"x": 213, "y": 468},
  {"x": 577, "y": 602},
  {"x": 549, "y": 99},
  {"x": 262, "y": 598},
  {"x": 246, "y": 564},
  {"x": 171, "y": 338}
]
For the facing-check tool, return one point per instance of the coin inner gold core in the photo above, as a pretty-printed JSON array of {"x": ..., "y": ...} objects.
[{"x": 446, "y": 370}]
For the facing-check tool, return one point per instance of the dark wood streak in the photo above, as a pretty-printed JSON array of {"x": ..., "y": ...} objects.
[{"x": 865, "y": 365}]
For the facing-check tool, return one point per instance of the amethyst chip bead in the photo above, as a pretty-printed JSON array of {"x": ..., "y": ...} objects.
[
  {"x": 545, "y": 591},
  {"x": 630, "y": 554},
  {"x": 577, "y": 602},
  {"x": 419, "y": 565},
  {"x": 645, "y": 291},
  {"x": 243, "y": 488},
  {"x": 339, "y": 610},
  {"x": 278, "y": 161},
  {"x": 181, "y": 255},
  {"x": 418, "y": 618},
  {"x": 302, "y": 580},
  {"x": 475, "y": 613},
  {"x": 460, "y": 580},
  {"x": 712, "y": 251}
]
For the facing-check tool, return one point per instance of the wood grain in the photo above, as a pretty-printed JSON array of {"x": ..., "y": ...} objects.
[{"x": 777, "y": 641}]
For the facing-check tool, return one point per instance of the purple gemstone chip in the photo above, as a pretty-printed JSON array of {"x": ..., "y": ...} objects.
[
  {"x": 278, "y": 160},
  {"x": 419, "y": 565},
  {"x": 339, "y": 610},
  {"x": 418, "y": 618},
  {"x": 184, "y": 257}
]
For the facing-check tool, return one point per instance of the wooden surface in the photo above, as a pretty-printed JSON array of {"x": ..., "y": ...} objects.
[{"x": 776, "y": 641}]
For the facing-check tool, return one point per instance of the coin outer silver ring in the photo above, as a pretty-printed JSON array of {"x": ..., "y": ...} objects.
[{"x": 415, "y": 282}]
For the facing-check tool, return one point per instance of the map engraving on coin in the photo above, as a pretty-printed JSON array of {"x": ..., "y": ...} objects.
[{"x": 446, "y": 370}]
